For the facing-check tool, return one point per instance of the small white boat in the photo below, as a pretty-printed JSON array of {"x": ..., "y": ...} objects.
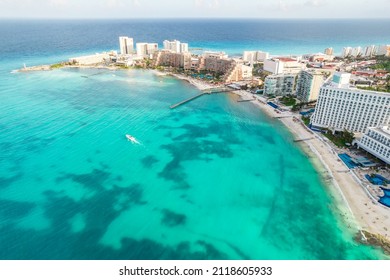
[{"x": 132, "y": 139}]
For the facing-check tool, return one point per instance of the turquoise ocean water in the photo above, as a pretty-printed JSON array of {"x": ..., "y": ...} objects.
[{"x": 213, "y": 179}]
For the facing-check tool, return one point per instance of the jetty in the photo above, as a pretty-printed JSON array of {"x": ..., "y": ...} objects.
[
  {"x": 218, "y": 90},
  {"x": 204, "y": 92},
  {"x": 187, "y": 100}
]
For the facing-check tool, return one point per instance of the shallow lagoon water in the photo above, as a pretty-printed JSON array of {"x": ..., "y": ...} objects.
[{"x": 212, "y": 179}]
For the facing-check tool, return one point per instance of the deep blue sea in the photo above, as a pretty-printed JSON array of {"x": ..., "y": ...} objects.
[{"x": 214, "y": 179}]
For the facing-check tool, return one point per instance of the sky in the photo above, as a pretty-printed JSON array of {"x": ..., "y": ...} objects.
[{"x": 195, "y": 9}]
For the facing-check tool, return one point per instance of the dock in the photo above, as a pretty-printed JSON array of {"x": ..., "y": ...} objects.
[
  {"x": 218, "y": 90},
  {"x": 206, "y": 91},
  {"x": 187, "y": 100}
]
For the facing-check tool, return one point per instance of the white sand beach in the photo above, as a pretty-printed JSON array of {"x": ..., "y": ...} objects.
[{"x": 368, "y": 214}]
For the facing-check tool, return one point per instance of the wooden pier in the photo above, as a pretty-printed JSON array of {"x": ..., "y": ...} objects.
[{"x": 187, "y": 100}]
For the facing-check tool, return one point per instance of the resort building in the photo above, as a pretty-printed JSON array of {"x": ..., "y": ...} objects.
[
  {"x": 277, "y": 85},
  {"x": 126, "y": 45},
  {"x": 220, "y": 55},
  {"x": 377, "y": 142},
  {"x": 172, "y": 59},
  {"x": 384, "y": 50},
  {"x": 328, "y": 51},
  {"x": 255, "y": 56},
  {"x": 321, "y": 57},
  {"x": 238, "y": 73},
  {"x": 308, "y": 85},
  {"x": 356, "y": 52},
  {"x": 146, "y": 49},
  {"x": 347, "y": 51},
  {"x": 282, "y": 65},
  {"x": 217, "y": 62},
  {"x": 369, "y": 51},
  {"x": 341, "y": 107},
  {"x": 175, "y": 46},
  {"x": 183, "y": 47},
  {"x": 217, "y": 65}
]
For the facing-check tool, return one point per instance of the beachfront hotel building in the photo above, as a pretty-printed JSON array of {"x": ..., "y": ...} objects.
[
  {"x": 146, "y": 49},
  {"x": 328, "y": 51},
  {"x": 172, "y": 59},
  {"x": 308, "y": 85},
  {"x": 377, "y": 142},
  {"x": 357, "y": 51},
  {"x": 342, "y": 107},
  {"x": 175, "y": 46},
  {"x": 369, "y": 51},
  {"x": 347, "y": 51},
  {"x": 255, "y": 56},
  {"x": 282, "y": 84},
  {"x": 282, "y": 65},
  {"x": 126, "y": 45},
  {"x": 384, "y": 50}
]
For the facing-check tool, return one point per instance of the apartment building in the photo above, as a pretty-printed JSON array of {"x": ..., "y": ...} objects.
[
  {"x": 308, "y": 85},
  {"x": 126, "y": 45},
  {"x": 255, "y": 56},
  {"x": 282, "y": 84},
  {"x": 341, "y": 107},
  {"x": 384, "y": 50},
  {"x": 173, "y": 59},
  {"x": 282, "y": 65},
  {"x": 146, "y": 49},
  {"x": 377, "y": 142},
  {"x": 175, "y": 46}
]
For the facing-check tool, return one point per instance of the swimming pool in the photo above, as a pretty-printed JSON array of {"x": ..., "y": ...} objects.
[{"x": 347, "y": 160}]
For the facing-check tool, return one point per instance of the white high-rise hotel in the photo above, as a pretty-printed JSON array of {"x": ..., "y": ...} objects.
[
  {"x": 341, "y": 107},
  {"x": 377, "y": 142},
  {"x": 126, "y": 45},
  {"x": 175, "y": 46}
]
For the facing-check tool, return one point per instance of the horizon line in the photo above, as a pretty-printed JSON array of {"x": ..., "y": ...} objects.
[{"x": 187, "y": 18}]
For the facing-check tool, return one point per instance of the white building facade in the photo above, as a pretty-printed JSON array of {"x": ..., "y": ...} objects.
[
  {"x": 347, "y": 51},
  {"x": 377, "y": 142},
  {"x": 308, "y": 85},
  {"x": 126, "y": 45},
  {"x": 146, "y": 49},
  {"x": 175, "y": 46},
  {"x": 384, "y": 50},
  {"x": 279, "y": 85},
  {"x": 282, "y": 65},
  {"x": 340, "y": 107},
  {"x": 255, "y": 56}
]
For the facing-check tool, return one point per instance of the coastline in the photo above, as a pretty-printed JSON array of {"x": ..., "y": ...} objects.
[
  {"x": 364, "y": 217},
  {"x": 369, "y": 220}
]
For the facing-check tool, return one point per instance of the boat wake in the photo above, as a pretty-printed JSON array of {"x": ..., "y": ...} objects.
[{"x": 132, "y": 139}]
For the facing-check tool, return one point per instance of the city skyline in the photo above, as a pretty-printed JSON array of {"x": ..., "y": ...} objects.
[{"x": 105, "y": 9}]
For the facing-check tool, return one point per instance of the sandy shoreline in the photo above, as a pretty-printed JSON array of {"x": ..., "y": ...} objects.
[
  {"x": 367, "y": 214},
  {"x": 358, "y": 209}
]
